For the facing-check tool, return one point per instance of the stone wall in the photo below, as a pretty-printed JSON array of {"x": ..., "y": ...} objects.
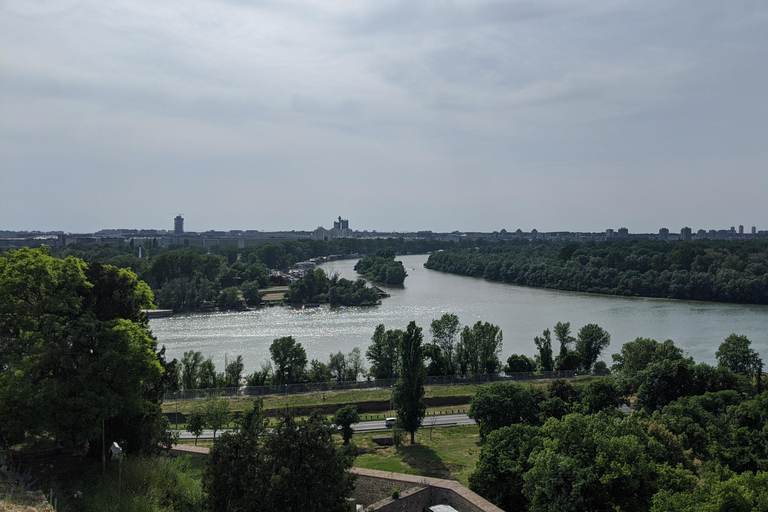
[{"x": 417, "y": 492}]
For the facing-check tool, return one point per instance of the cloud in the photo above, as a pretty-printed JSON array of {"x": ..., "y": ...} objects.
[{"x": 433, "y": 104}]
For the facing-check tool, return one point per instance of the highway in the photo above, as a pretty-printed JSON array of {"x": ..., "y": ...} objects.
[{"x": 445, "y": 420}]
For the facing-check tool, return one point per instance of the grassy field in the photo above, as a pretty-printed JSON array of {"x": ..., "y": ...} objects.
[{"x": 449, "y": 452}]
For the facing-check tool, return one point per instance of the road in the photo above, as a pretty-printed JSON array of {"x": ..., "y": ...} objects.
[{"x": 445, "y": 420}]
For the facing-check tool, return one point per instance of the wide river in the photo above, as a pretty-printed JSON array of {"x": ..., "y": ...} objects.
[{"x": 521, "y": 312}]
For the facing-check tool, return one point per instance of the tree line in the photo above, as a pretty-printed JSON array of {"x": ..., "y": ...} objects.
[
  {"x": 696, "y": 442},
  {"x": 453, "y": 350},
  {"x": 707, "y": 270},
  {"x": 184, "y": 277}
]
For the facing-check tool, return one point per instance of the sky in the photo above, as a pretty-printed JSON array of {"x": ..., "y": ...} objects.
[{"x": 575, "y": 115}]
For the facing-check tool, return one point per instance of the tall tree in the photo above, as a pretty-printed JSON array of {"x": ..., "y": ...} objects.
[
  {"x": 234, "y": 372},
  {"x": 208, "y": 377},
  {"x": 337, "y": 365},
  {"x": 383, "y": 353},
  {"x": 736, "y": 354},
  {"x": 544, "y": 346},
  {"x": 290, "y": 360},
  {"x": 355, "y": 365},
  {"x": 445, "y": 331},
  {"x": 590, "y": 342},
  {"x": 190, "y": 369},
  {"x": 567, "y": 359},
  {"x": 479, "y": 348},
  {"x": 408, "y": 394}
]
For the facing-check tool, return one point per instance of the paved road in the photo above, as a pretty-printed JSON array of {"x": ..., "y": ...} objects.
[{"x": 445, "y": 420}]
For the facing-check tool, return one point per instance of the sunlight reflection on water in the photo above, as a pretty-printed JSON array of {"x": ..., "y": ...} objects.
[{"x": 521, "y": 312}]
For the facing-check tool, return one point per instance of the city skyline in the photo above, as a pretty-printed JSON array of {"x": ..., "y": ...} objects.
[{"x": 468, "y": 116}]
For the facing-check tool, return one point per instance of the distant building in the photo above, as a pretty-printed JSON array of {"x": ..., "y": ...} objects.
[
  {"x": 341, "y": 229},
  {"x": 741, "y": 229},
  {"x": 685, "y": 234},
  {"x": 754, "y": 230},
  {"x": 664, "y": 234},
  {"x": 178, "y": 225}
]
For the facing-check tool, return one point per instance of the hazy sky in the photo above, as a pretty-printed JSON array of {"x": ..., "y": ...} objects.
[{"x": 398, "y": 115}]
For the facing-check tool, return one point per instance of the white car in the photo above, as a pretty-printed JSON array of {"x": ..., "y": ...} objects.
[{"x": 390, "y": 422}]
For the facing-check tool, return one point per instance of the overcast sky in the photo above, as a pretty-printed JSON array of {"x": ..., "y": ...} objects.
[{"x": 398, "y": 115}]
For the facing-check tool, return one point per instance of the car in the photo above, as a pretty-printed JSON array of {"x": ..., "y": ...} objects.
[{"x": 390, "y": 422}]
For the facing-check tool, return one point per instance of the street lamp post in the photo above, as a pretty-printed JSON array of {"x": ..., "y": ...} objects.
[{"x": 116, "y": 450}]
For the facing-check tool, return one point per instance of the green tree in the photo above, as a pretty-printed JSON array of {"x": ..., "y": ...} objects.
[
  {"x": 355, "y": 365},
  {"x": 196, "y": 424},
  {"x": 518, "y": 363},
  {"x": 190, "y": 369},
  {"x": 601, "y": 394},
  {"x": 445, "y": 331},
  {"x": 590, "y": 342},
  {"x": 635, "y": 356},
  {"x": 568, "y": 358},
  {"x": 479, "y": 348},
  {"x": 73, "y": 340},
  {"x": 503, "y": 462},
  {"x": 251, "y": 293},
  {"x": 233, "y": 373},
  {"x": 294, "y": 466},
  {"x": 501, "y": 404},
  {"x": 383, "y": 352},
  {"x": 345, "y": 417},
  {"x": 408, "y": 393},
  {"x": 736, "y": 354},
  {"x": 544, "y": 346},
  {"x": 229, "y": 298},
  {"x": 290, "y": 360},
  {"x": 563, "y": 335},
  {"x": 337, "y": 365},
  {"x": 208, "y": 377},
  {"x": 216, "y": 413},
  {"x": 318, "y": 371}
]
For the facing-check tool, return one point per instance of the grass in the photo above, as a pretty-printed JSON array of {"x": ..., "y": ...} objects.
[
  {"x": 449, "y": 453},
  {"x": 349, "y": 396},
  {"x": 155, "y": 484},
  {"x": 331, "y": 397}
]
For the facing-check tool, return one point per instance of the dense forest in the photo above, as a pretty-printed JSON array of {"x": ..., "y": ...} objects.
[
  {"x": 696, "y": 443},
  {"x": 183, "y": 277},
  {"x": 708, "y": 270}
]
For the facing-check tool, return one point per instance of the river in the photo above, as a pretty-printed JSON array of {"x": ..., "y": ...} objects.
[{"x": 521, "y": 312}]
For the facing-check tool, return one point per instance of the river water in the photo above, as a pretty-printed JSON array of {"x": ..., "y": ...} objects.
[{"x": 521, "y": 312}]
